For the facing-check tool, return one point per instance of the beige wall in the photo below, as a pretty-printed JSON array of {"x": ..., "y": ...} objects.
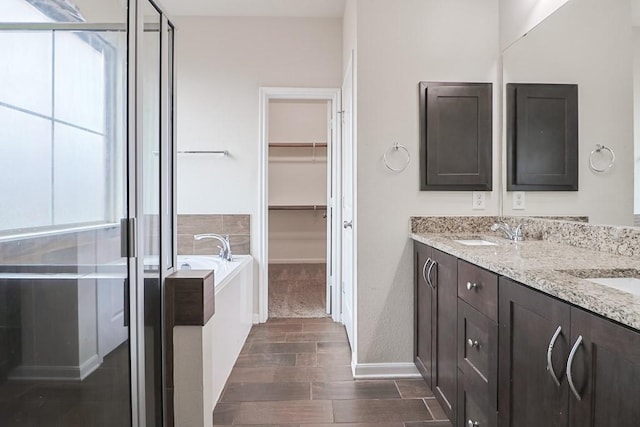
[
  {"x": 222, "y": 62},
  {"x": 398, "y": 45},
  {"x": 636, "y": 118},
  {"x": 586, "y": 42}
]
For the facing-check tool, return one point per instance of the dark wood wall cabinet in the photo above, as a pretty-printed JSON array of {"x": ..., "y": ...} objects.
[
  {"x": 521, "y": 358},
  {"x": 542, "y": 137},
  {"x": 455, "y": 136}
]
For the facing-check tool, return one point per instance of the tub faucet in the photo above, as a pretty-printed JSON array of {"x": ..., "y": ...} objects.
[
  {"x": 225, "y": 249},
  {"x": 516, "y": 234}
]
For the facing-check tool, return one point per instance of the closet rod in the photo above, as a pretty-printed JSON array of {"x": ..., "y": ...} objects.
[
  {"x": 298, "y": 207},
  {"x": 298, "y": 144}
]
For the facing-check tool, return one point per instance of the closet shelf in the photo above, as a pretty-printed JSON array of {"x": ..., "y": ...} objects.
[
  {"x": 297, "y": 207},
  {"x": 298, "y": 144}
]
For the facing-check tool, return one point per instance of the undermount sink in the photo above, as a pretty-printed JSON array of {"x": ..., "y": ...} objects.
[
  {"x": 475, "y": 242},
  {"x": 624, "y": 284}
]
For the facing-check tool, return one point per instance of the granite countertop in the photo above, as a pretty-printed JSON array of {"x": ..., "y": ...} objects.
[{"x": 553, "y": 268}]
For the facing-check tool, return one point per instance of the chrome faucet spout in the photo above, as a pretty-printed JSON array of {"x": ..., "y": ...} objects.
[
  {"x": 225, "y": 249},
  {"x": 515, "y": 234}
]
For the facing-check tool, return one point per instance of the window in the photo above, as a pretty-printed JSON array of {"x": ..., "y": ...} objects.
[{"x": 62, "y": 124}]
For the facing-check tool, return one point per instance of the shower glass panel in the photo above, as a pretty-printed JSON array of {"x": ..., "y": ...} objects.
[{"x": 64, "y": 318}]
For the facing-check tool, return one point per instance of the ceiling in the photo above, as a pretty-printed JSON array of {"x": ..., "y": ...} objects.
[{"x": 289, "y": 8}]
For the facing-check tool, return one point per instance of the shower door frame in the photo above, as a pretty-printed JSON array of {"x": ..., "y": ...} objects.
[{"x": 134, "y": 180}]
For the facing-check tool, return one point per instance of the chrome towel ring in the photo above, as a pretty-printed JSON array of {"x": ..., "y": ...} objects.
[
  {"x": 599, "y": 149},
  {"x": 396, "y": 147}
]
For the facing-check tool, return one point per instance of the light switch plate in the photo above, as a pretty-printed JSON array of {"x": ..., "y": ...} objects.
[
  {"x": 519, "y": 202},
  {"x": 479, "y": 200}
]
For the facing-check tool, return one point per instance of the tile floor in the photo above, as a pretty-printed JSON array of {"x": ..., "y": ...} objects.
[{"x": 296, "y": 372}]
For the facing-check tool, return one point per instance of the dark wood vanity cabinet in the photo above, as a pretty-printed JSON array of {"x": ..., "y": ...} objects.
[
  {"x": 603, "y": 359},
  {"x": 435, "y": 346},
  {"x": 498, "y": 353}
]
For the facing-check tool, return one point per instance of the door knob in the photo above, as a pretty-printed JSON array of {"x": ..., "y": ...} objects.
[{"x": 347, "y": 224}]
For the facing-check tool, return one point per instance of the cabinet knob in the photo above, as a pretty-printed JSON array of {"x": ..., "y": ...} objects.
[
  {"x": 472, "y": 423},
  {"x": 473, "y": 343},
  {"x": 471, "y": 286}
]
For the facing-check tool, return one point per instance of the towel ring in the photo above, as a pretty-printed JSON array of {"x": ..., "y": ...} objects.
[
  {"x": 396, "y": 147},
  {"x": 600, "y": 148}
]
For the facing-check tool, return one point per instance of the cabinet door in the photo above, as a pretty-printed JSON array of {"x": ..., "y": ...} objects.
[
  {"x": 605, "y": 371},
  {"x": 445, "y": 277},
  {"x": 455, "y": 136},
  {"x": 424, "y": 312},
  {"x": 527, "y": 394}
]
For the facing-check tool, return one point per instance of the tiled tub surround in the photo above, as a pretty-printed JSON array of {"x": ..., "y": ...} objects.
[
  {"x": 237, "y": 227},
  {"x": 554, "y": 264}
]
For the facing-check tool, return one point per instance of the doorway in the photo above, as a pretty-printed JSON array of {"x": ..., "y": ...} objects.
[
  {"x": 299, "y": 132},
  {"x": 298, "y": 252}
]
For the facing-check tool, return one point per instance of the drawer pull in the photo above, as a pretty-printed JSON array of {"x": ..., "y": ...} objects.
[
  {"x": 471, "y": 286},
  {"x": 472, "y": 423},
  {"x": 473, "y": 343},
  {"x": 550, "y": 353},
  {"x": 433, "y": 264}
]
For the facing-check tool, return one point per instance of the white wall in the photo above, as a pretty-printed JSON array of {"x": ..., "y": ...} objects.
[
  {"x": 518, "y": 17},
  {"x": 587, "y": 42},
  {"x": 398, "y": 45},
  {"x": 222, "y": 63}
]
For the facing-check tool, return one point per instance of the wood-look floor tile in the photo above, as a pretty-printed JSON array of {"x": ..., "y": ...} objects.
[
  {"x": 316, "y": 337},
  {"x": 273, "y": 336},
  {"x": 295, "y": 412},
  {"x": 302, "y": 320},
  {"x": 413, "y": 389},
  {"x": 380, "y": 410},
  {"x": 354, "y": 390},
  {"x": 323, "y": 327},
  {"x": 256, "y": 392},
  {"x": 307, "y": 359},
  {"x": 428, "y": 424},
  {"x": 398, "y": 424},
  {"x": 436, "y": 410},
  {"x": 334, "y": 347},
  {"x": 283, "y": 348},
  {"x": 331, "y": 373},
  {"x": 265, "y": 360},
  {"x": 293, "y": 375},
  {"x": 225, "y": 413},
  {"x": 255, "y": 375},
  {"x": 275, "y": 328},
  {"x": 342, "y": 358}
]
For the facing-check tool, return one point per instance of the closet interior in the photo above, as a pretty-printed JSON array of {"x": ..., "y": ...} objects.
[{"x": 298, "y": 142}]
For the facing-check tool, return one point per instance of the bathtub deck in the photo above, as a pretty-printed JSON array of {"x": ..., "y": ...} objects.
[{"x": 296, "y": 372}]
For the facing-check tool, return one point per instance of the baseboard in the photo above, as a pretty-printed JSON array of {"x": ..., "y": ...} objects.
[
  {"x": 385, "y": 370},
  {"x": 56, "y": 373},
  {"x": 256, "y": 318},
  {"x": 298, "y": 261}
]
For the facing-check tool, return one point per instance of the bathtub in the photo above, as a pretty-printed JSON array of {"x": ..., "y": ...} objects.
[{"x": 205, "y": 355}]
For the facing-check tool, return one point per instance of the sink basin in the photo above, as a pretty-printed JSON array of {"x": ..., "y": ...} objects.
[
  {"x": 475, "y": 242},
  {"x": 625, "y": 284}
]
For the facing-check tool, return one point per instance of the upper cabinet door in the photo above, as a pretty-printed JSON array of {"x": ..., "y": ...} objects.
[
  {"x": 455, "y": 136},
  {"x": 542, "y": 137}
]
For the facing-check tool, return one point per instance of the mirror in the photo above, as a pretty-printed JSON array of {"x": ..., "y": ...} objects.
[{"x": 590, "y": 43}]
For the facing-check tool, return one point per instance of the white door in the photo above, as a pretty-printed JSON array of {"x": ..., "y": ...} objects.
[
  {"x": 328, "y": 214},
  {"x": 347, "y": 203},
  {"x": 111, "y": 316}
]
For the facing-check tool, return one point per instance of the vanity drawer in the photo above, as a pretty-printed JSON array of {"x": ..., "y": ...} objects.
[
  {"x": 473, "y": 407},
  {"x": 478, "y": 350},
  {"x": 479, "y": 288}
]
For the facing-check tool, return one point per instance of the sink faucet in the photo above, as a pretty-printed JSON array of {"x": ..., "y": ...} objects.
[
  {"x": 516, "y": 234},
  {"x": 225, "y": 249}
]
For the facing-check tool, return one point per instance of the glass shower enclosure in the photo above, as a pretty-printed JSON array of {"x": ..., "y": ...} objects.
[{"x": 86, "y": 217}]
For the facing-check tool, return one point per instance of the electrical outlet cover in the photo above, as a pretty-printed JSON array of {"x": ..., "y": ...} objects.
[
  {"x": 519, "y": 202},
  {"x": 479, "y": 201}
]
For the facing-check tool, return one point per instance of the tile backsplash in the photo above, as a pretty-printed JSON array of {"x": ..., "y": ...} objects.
[{"x": 237, "y": 227}]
